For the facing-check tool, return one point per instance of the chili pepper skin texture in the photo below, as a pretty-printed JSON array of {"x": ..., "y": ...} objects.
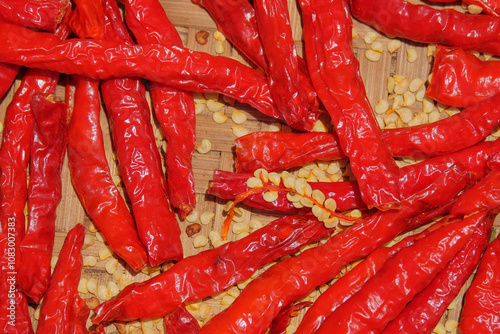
[
  {"x": 8, "y": 73},
  {"x": 421, "y": 23},
  {"x": 480, "y": 313},
  {"x": 91, "y": 177},
  {"x": 281, "y": 322},
  {"x": 45, "y": 14},
  {"x": 211, "y": 271},
  {"x": 293, "y": 278},
  {"x": 62, "y": 304},
  {"x": 335, "y": 74},
  {"x": 176, "y": 67},
  {"x": 180, "y": 322},
  {"x": 461, "y": 79},
  {"x": 385, "y": 295},
  {"x": 173, "y": 108},
  {"x": 48, "y": 146},
  {"x": 424, "y": 312},
  {"x": 140, "y": 161}
]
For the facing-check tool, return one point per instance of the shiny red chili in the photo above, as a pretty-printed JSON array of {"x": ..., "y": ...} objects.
[{"x": 40, "y": 14}]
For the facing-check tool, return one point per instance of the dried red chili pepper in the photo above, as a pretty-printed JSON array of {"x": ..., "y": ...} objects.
[
  {"x": 385, "y": 295},
  {"x": 48, "y": 147},
  {"x": 424, "y": 311},
  {"x": 175, "y": 67},
  {"x": 273, "y": 23},
  {"x": 480, "y": 311},
  {"x": 461, "y": 79},
  {"x": 335, "y": 75},
  {"x": 291, "y": 279},
  {"x": 489, "y": 6},
  {"x": 421, "y": 23},
  {"x": 91, "y": 176},
  {"x": 180, "y": 322},
  {"x": 173, "y": 108},
  {"x": 40, "y": 14},
  {"x": 140, "y": 161},
  {"x": 211, "y": 271},
  {"x": 62, "y": 309},
  {"x": 87, "y": 21},
  {"x": 8, "y": 73},
  {"x": 282, "y": 320}
]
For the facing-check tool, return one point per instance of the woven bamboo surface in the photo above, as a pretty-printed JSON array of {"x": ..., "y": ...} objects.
[{"x": 189, "y": 19}]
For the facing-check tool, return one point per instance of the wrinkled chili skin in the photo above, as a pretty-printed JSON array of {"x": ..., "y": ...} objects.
[
  {"x": 91, "y": 176},
  {"x": 347, "y": 286},
  {"x": 8, "y": 73},
  {"x": 57, "y": 311},
  {"x": 180, "y": 322},
  {"x": 45, "y": 14},
  {"x": 335, "y": 75},
  {"x": 421, "y": 23},
  {"x": 424, "y": 311},
  {"x": 211, "y": 271},
  {"x": 140, "y": 161},
  {"x": 385, "y": 295},
  {"x": 176, "y": 67},
  {"x": 48, "y": 147},
  {"x": 282, "y": 320},
  {"x": 461, "y": 79},
  {"x": 480, "y": 313},
  {"x": 173, "y": 108},
  {"x": 293, "y": 278}
]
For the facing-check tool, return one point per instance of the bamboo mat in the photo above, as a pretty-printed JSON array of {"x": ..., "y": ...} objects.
[{"x": 189, "y": 19}]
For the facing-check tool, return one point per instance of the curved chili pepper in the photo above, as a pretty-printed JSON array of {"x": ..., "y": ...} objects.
[
  {"x": 480, "y": 311},
  {"x": 48, "y": 146},
  {"x": 335, "y": 75},
  {"x": 173, "y": 108},
  {"x": 40, "y": 14},
  {"x": 424, "y": 311},
  {"x": 421, "y": 23},
  {"x": 140, "y": 161},
  {"x": 180, "y": 322},
  {"x": 293, "y": 278},
  {"x": 273, "y": 23},
  {"x": 461, "y": 79},
  {"x": 282, "y": 320},
  {"x": 348, "y": 285},
  {"x": 385, "y": 295},
  {"x": 91, "y": 177},
  {"x": 211, "y": 271},
  {"x": 173, "y": 66},
  {"x": 62, "y": 310},
  {"x": 8, "y": 74}
]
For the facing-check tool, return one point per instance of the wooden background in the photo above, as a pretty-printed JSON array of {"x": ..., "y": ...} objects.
[{"x": 189, "y": 19}]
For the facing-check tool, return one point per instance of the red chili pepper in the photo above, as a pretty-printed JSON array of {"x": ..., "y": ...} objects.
[
  {"x": 176, "y": 67},
  {"x": 48, "y": 147},
  {"x": 140, "y": 161},
  {"x": 173, "y": 108},
  {"x": 40, "y": 14},
  {"x": 385, "y": 295},
  {"x": 480, "y": 313},
  {"x": 460, "y": 79},
  {"x": 8, "y": 73},
  {"x": 273, "y": 23},
  {"x": 293, "y": 278},
  {"x": 91, "y": 176},
  {"x": 62, "y": 310},
  {"x": 282, "y": 320},
  {"x": 335, "y": 75},
  {"x": 211, "y": 271},
  {"x": 87, "y": 21},
  {"x": 421, "y": 23},
  {"x": 424, "y": 311},
  {"x": 489, "y": 6},
  {"x": 180, "y": 322}
]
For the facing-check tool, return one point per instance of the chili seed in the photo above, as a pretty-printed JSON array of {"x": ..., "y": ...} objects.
[
  {"x": 88, "y": 241},
  {"x": 202, "y": 37},
  {"x": 381, "y": 107},
  {"x": 254, "y": 224},
  {"x": 401, "y": 86},
  {"x": 82, "y": 285},
  {"x": 428, "y": 105},
  {"x": 431, "y": 50},
  {"x": 219, "y": 36},
  {"x": 390, "y": 85},
  {"x": 474, "y": 9},
  {"x": 238, "y": 117},
  {"x": 439, "y": 329},
  {"x": 214, "y": 105},
  {"x": 274, "y": 127},
  {"x": 370, "y": 37},
  {"x": 411, "y": 54},
  {"x": 206, "y": 217},
  {"x": 415, "y": 84},
  {"x": 398, "y": 102},
  {"x": 113, "y": 289},
  {"x": 105, "y": 252},
  {"x": 405, "y": 114},
  {"x": 219, "y": 117},
  {"x": 92, "y": 302},
  {"x": 377, "y": 46},
  {"x": 193, "y": 229},
  {"x": 219, "y": 47},
  {"x": 408, "y": 98},
  {"x": 270, "y": 196},
  {"x": 373, "y": 55},
  {"x": 434, "y": 116},
  {"x": 89, "y": 261},
  {"x": 92, "y": 286},
  {"x": 204, "y": 147},
  {"x": 254, "y": 182},
  {"x": 200, "y": 241},
  {"x": 393, "y": 45},
  {"x": 239, "y": 131}
]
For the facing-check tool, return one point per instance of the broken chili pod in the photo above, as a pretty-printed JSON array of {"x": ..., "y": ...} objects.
[
  {"x": 40, "y": 14},
  {"x": 480, "y": 310},
  {"x": 174, "y": 109},
  {"x": 282, "y": 320},
  {"x": 425, "y": 310},
  {"x": 48, "y": 147},
  {"x": 386, "y": 294},
  {"x": 180, "y": 321},
  {"x": 424, "y": 24},
  {"x": 211, "y": 271},
  {"x": 460, "y": 79},
  {"x": 293, "y": 278},
  {"x": 335, "y": 75},
  {"x": 176, "y": 67},
  {"x": 91, "y": 176}
]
